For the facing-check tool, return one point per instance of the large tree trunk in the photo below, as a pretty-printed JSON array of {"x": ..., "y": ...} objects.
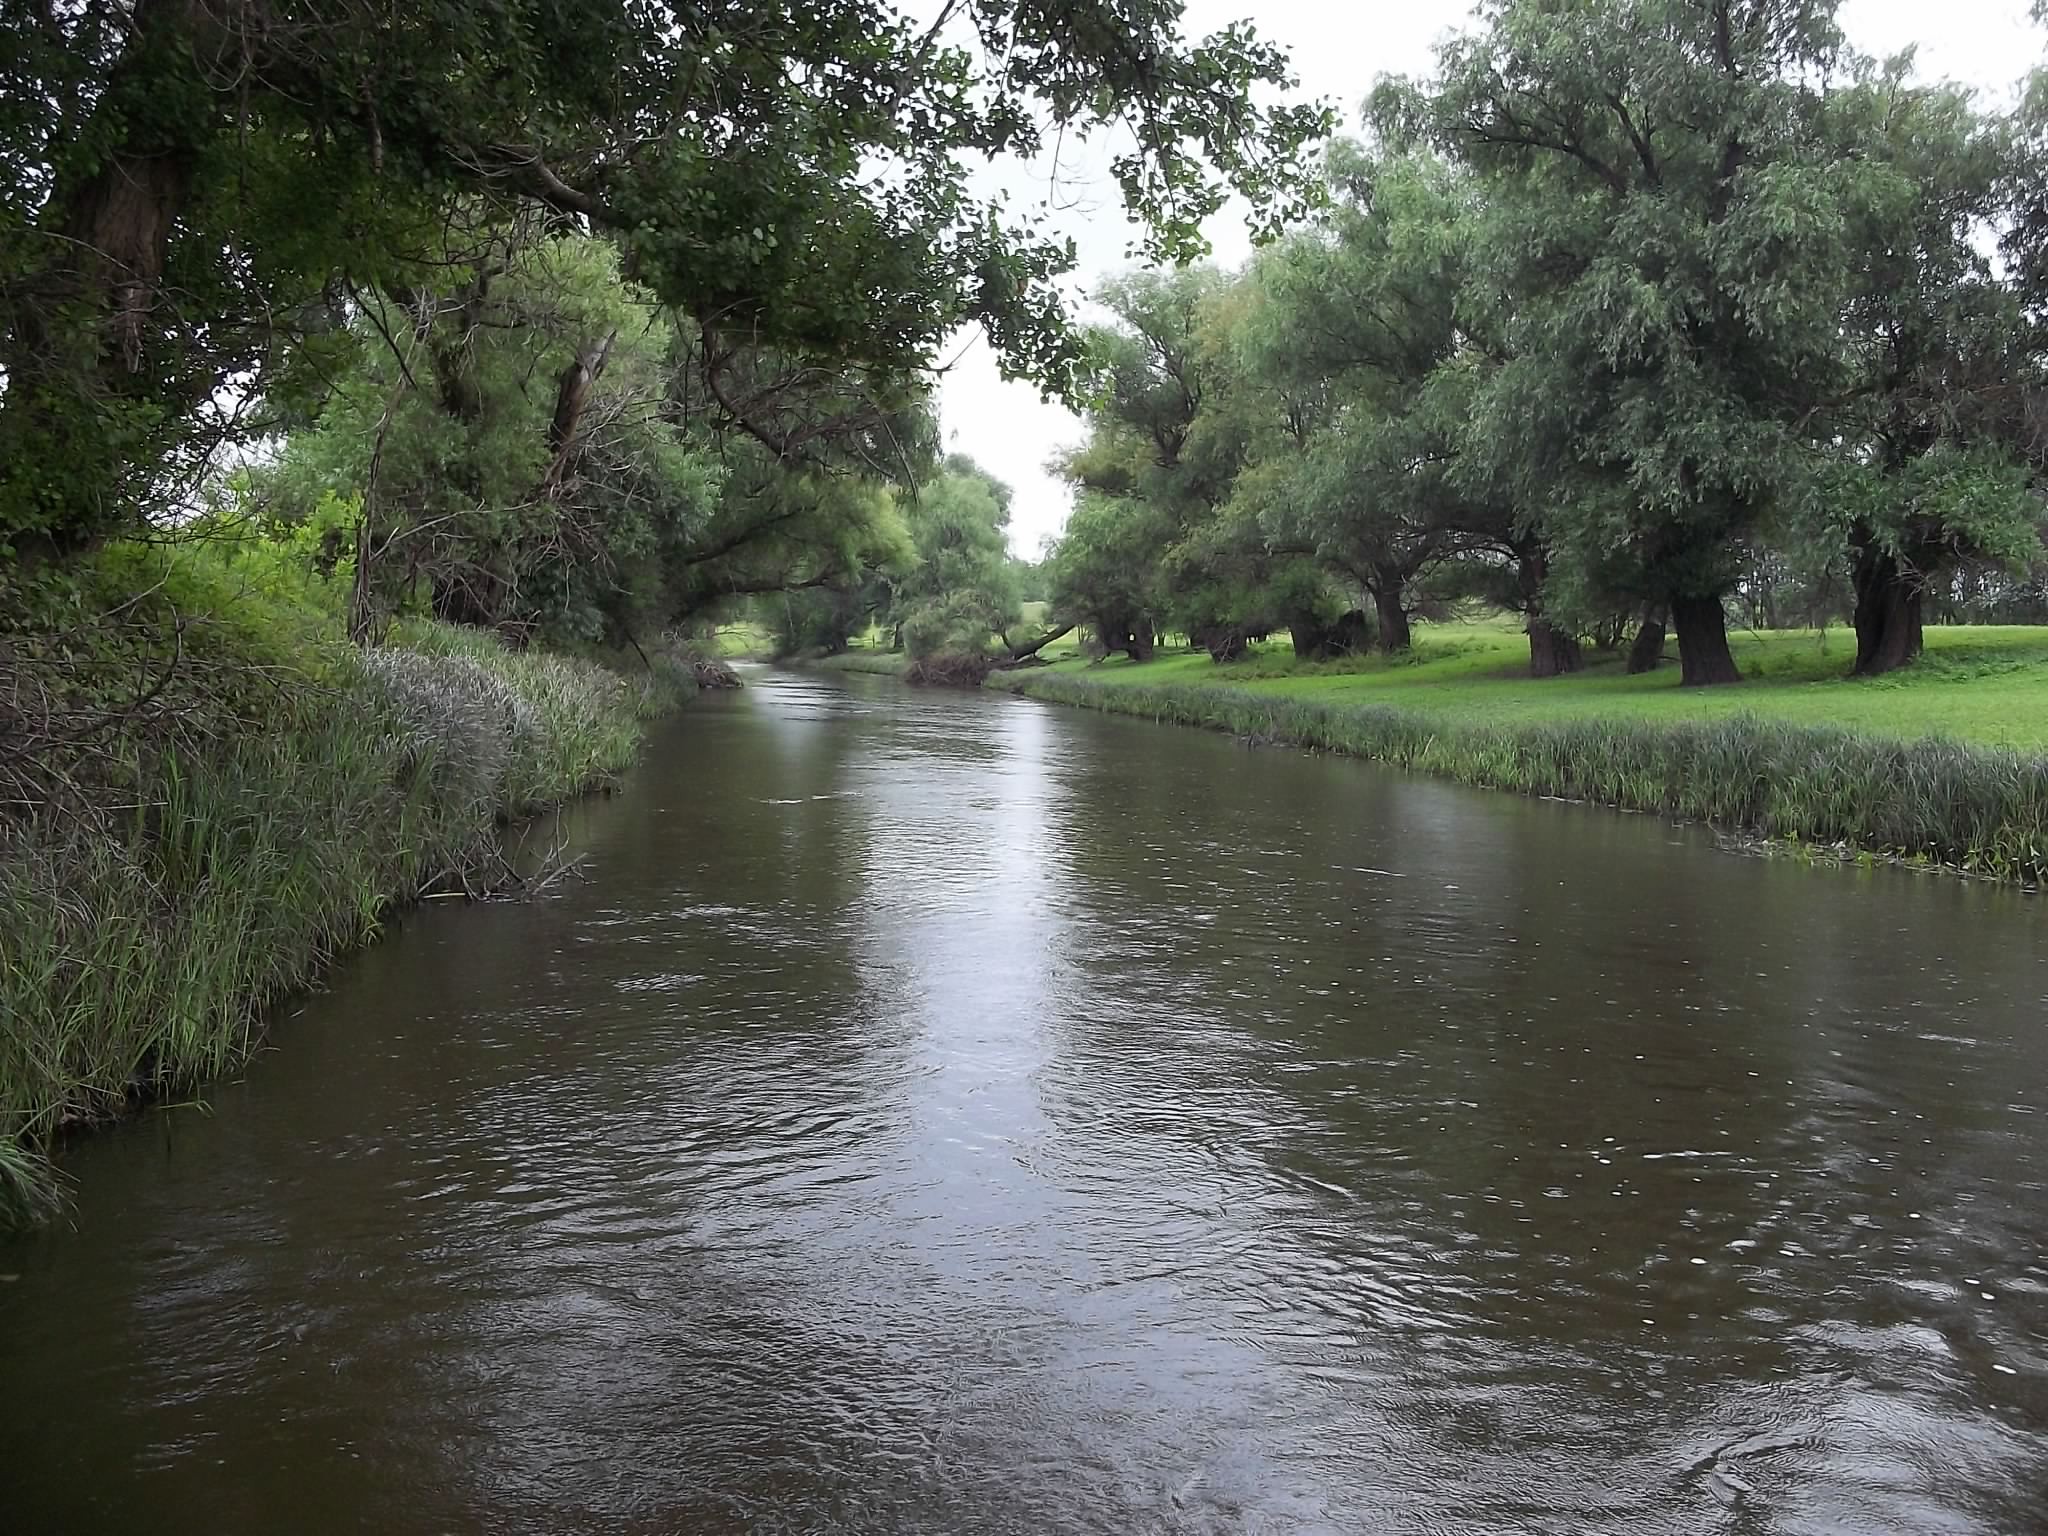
[
  {"x": 1394, "y": 633},
  {"x": 1020, "y": 652},
  {"x": 96, "y": 391},
  {"x": 1648, "y": 648},
  {"x": 1889, "y": 600},
  {"x": 1121, "y": 633},
  {"x": 1349, "y": 633},
  {"x": 1552, "y": 651},
  {"x": 1223, "y": 642},
  {"x": 1703, "y": 655}
]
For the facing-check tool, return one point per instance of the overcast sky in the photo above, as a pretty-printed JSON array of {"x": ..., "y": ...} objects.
[{"x": 1339, "y": 47}]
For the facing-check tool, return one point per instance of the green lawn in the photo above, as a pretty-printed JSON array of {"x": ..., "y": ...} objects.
[{"x": 1987, "y": 684}]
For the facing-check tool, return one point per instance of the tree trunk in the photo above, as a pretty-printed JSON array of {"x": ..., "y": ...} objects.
[
  {"x": 1019, "y": 654},
  {"x": 1552, "y": 651},
  {"x": 1042, "y": 642},
  {"x": 1223, "y": 642},
  {"x": 1889, "y": 601},
  {"x": 1648, "y": 649},
  {"x": 1703, "y": 655},
  {"x": 1394, "y": 632},
  {"x": 1121, "y": 633},
  {"x": 1346, "y": 635},
  {"x": 572, "y": 394},
  {"x": 94, "y": 397}
]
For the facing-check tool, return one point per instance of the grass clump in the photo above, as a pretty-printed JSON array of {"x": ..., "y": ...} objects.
[
  {"x": 206, "y": 799},
  {"x": 1983, "y": 809}
]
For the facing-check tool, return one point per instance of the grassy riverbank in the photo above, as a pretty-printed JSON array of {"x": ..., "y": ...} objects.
[
  {"x": 1800, "y": 754},
  {"x": 209, "y": 793},
  {"x": 1977, "y": 683}
]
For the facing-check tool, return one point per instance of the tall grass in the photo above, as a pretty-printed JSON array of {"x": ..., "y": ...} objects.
[
  {"x": 139, "y": 949},
  {"x": 1976, "y": 808}
]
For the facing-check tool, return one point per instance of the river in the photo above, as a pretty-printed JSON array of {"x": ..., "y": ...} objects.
[{"x": 939, "y": 1112}]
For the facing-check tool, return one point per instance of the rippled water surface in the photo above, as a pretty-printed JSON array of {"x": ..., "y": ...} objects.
[{"x": 948, "y": 1113}]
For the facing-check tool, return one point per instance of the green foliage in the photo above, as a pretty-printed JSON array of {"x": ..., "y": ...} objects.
[
  {"x": 1175, "y": 433},
  {"x": 192, "y": 197},
  {"x": 1105, "y": 570},
  {"x": 1352, "y": 328},
  {"x": 497, "y": 452},
  {"x": 960, "y": 586},
  {"x": 820, "y": 620}
]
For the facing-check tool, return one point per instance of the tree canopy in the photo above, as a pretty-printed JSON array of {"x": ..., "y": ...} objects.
[{"x": 196, "y": 195}]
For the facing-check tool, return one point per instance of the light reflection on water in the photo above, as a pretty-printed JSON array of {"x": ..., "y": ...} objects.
[{"x": 950, "y": 1113}]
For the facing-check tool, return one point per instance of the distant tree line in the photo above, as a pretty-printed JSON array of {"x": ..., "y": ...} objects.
[
  {"x": 948, "y": 584},
  {"x": 1635, "y": 314}
]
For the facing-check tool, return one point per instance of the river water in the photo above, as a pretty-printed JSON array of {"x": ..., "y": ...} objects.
[{"x": 953, "y": 1113}]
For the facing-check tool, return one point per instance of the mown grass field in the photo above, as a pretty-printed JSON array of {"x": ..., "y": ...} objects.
[{"x": 1981, "y": 684}]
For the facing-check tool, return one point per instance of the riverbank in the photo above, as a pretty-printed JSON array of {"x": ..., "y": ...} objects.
[
  {"x": 209, "y": 793},
  {"x": 879, "y": 663},
  {"x": 1970, "y": 806},
  {"x": 1981, "y": 683}
]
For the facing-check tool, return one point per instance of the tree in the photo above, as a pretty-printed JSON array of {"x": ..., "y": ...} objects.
[
  {"x": 1105, "y": 571},
  {"x": 192, "y": 192},
  {"x": 519, "y": 456},
  {"x": 1175, "y": 423},
  {"x": 1355, "y": 330},
  {"x": 959, "y": 588},
  {"x": 1943, "y": 368},
  {"x": 1666, "y": 247}
]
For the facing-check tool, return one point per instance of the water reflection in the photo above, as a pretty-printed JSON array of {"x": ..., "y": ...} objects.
[{"x": 944, "y": 1112}]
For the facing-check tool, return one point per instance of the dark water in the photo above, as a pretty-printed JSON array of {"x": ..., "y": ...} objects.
[{"x": 955, "y": 1114}]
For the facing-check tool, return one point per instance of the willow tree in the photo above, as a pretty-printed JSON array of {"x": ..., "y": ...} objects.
[
  {"x": 958, "y": 589},
  {"x": 190, "y": 190},
  {"x": 520, "y": 451},
  {"x": 1105, "y": 571},
  {"x": 1666, "y": 241},
  {"x": 1936, "y": 422},
  {"x": 1176, "y": 423},
  {"x": 1354, "y": 324}
]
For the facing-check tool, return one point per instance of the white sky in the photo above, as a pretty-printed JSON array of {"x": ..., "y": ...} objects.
[{"x": 1339, "y": 49}]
